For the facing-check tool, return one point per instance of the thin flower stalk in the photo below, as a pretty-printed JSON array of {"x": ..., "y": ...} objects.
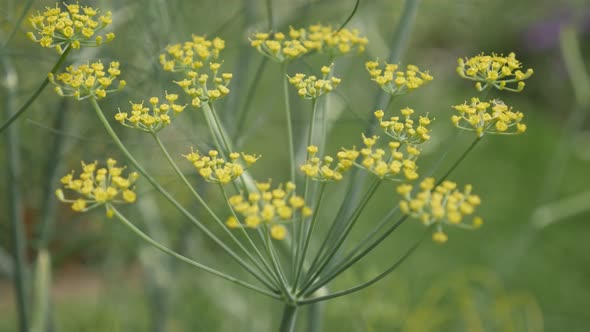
[
  {"x": 264, "y": 269},
  {"x": 331, "y": 251},
  {"x": 169, "y": 197},
  {"x": 189, "y": 261}
]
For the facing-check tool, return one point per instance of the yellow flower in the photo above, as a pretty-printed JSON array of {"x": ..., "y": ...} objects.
[
  {"x": 310, "y": 87},
  {"x": 269, "y": 207},
  {"x": 389, "y": 163},
  {"x": 150, "y": 119},
  {"x": 395, "y": 81},
  {"x": 87, "y": 80},
  {"x": 492, "y": 117},
  {"x": 98, "y": 186},
  {"x": 281, "y": 47},
  {"x": 77, "y": 26},
  {"x": 407, "y": 131},
  {"x": 215, "y": 169},
  {"x": 494, "y": 71},
  {"x": 443, "y": 204},
  {"x": 325, "y": 170}
]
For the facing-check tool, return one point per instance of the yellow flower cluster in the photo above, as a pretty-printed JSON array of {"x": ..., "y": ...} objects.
[
  {"x": 493, "y": 117},
  {"x": 310, "y": 87},
  {"x": 271, "y": 208},
  {"x": 324, "y": 39},
  {"x": 394, "y": 81},
  {"x": 386, "y": 166},
  {"x": 195, "y": 85},
  {"x": 323, "y": 170},
  {"x": 203, "y": 81},
  {"x": 77, "y": 26},
  {"x": 87, "y": 80},
  {"x": 150, "y": 120},
  {"x": 443, "y": 204},
  {"x": 494, "y": 70},
  {"x": 216, "y": 169},
  {"x": 404, "y": 131},
  {"x": 282, "y": 47},
  {"x": 99, "y": 186},
  {"x": 191, "y": 55}
]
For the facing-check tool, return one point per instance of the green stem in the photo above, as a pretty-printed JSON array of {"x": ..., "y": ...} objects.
[
  {"x": 210, "y": 212},
  {"x": 209, "y": 118},
  {"x": 309, "y": 235},
  {"x": 171, "y": 199},
  {"x": 289, "y": 124},
  {"x": 17, "y": 24},
  {"x": 243, "y": 112},
  {"x": 40, "y": 89},
  {"x": 271, "y": 22},
  {"x": 348, "y": 262},
  {"x": 365, "y": 284},
  {"x": 15, "y": 202},
  {"x": 277, "y": 266},
  {"x": 289, "y": 318},
  {"x": 332, "y": 251},
  {"x": 465, "y": 153},
  {"x": 187, "y": 260}
]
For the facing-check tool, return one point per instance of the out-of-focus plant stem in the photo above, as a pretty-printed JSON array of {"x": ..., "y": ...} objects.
[
  {"x": 187, "y": 260},
  {"x": 289, "y": 318},
  {"x": 171, "y": 199},
  {"x": 37, "y": 92},
  {"x": 52, "y": 169},
  {"x": 15, "y": 203}
]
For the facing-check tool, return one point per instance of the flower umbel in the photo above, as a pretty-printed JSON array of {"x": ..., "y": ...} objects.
[
  {"x": 268, "y": 208},
  {"x": 324, "y": 39},
  {"x": 395, "y": 165},
  {"x": 440, "y": 205},
  {"x": 325, "y": 170},
  {"x": 492, "y": 117},
  {"x": 99, "y": 186},
  {"x": 494, "y": 70},
  {"x": 405, "y": 131},
  {"x": 87, "y": 80},
  {"x": 152, "y": 119},
  {"x": 215, "y": 169},
  {"x": 77, "y": 26},
  {"x": 191, "y": 55},
  {"x": 310, "y": 87},
  {"x": 282, "y": 47},
  {"x": 395, "y": 81}
]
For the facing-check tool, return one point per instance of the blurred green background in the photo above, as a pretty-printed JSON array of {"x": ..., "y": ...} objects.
[{"x": 528, "y": 269}]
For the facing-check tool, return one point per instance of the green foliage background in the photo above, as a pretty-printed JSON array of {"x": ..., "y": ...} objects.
[{"x": 510, "y": 270}]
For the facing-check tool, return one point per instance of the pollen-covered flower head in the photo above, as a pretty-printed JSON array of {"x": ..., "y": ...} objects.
[
  {"x": 98, "y": 186},
  {"x": 192, "y": 55},
  {"x": 88, "y": 80},
  {"x": 492, "y": 117},
  {"x": 215, "y": 169},
  {"x": 444, "y": 204},
  {"x": 284, "y": 47},
  {"x": 153, "y": 118},
  {"x": 269, "y": 208},
  {"x": 390, "y": 163},
  {"x": 199, "y": 62},
  {"x": 499, "y": 71},
  {"x": 394, "y": 80},
  {"x": 310, "y": 87},
  {"x": 77, "y": 26},
  {"x": 407, "y": 130},
  {"x": 324, "y": 169},
  {"x": 324, "y": 39},
  {"x": 205, "y": 87},
  {"x": 279, "y": 47}
]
